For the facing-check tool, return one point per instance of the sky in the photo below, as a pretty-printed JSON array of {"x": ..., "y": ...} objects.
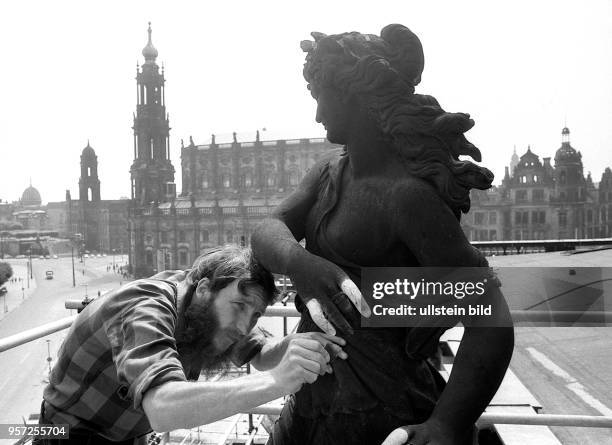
[{"x": 522, "y": 69}]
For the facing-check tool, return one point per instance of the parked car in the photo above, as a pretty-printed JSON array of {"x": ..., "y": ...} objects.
[
  {"x": 20, "y": 257},
  {"x": 55, "y": 257},
  {"x": 49, "y": 275}
]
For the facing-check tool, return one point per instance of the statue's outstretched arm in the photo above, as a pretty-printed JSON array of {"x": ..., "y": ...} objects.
[
  {"x": 319, "y": 282},
  {"x": 434, "y": 236}
]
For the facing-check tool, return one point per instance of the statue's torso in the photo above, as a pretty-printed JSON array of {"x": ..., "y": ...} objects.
[
  {"x": 363, "y": 225},
  {"x": 354, "y": 224}
]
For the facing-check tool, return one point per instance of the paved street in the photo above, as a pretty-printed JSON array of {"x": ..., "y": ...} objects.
[
  {"x": 24, "y": 369},
  {"x": 569, "y": 369}
]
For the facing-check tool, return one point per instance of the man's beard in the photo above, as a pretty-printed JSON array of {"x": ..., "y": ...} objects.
[{"x": 194, "y": 341}]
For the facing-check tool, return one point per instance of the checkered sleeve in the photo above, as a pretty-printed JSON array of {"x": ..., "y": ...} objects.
[{"x": 142, "y": 339}]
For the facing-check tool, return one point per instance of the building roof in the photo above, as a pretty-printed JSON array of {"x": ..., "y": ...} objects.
[
  {"x": 88, "y": 151},
  {"x": 31, "y": 197},
  {"x": 149, "y": 51},
  {"x": 567, "y": 153}
]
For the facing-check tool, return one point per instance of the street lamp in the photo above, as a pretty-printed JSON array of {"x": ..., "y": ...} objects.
[
  {"x": 30, "y": 253},
  {"x": 49, "y": 356},
  {"x": 72, "y": 258}
]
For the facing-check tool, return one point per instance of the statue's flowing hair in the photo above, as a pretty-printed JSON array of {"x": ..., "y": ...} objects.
[{"x": 382, "y": 72}]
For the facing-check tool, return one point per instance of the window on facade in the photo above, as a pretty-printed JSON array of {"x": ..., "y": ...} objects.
[
  {"x": 521, "y": 195},
  {"x": 149, "y": 258},
  {"x": 182, "y": 258},
  {"x": 181, "y": 237},
  {"x": 229, "y": 236},
  {"x": 204, "y": 236},
  {"x": 538, "y": 195},
  {"x": 535, "y": 178},
  {"x": 590, "y": 215},
  {"x": 149, "y": 238},
  {"x": 562, "y": 178},
  {"x": 521, "y": 217},
  {"x": 293, "y": 178},
  {"x": 538, "y": 217},
  {"x": 248, "y": 180},
  {"x": 163, "y": 237},
  {"x": 270, "y": 181},
  {"x": 225, "y": 180},
  {"x": 479, "y": 218},
  {"x": 205, "y": 183},
  {"x": 562, "y": 219},
  {"x": 493, "y": 235},
  {"x": 492, "y": 217}
]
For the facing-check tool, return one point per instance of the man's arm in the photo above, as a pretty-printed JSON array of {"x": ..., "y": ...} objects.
[
  {"x": 434, "y": 236},
  {"x": 176, "y": 405}
]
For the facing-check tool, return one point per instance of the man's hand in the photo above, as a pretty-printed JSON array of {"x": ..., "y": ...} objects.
[
  {"x": 324, "y": 288},
  {"x": 306, "y": 357},
  {"x": 429, "y": 433},
  {"x": 274, "y": 350}
]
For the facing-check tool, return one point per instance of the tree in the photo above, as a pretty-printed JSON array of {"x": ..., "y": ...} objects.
[{"x": 6, "y": 272}]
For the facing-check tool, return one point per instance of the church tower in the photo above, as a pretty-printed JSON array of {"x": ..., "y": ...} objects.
[
  {"x": 569, "y": 176},
  {"x": 152, "y": 172},
  {"x": 89, "y": 184}
]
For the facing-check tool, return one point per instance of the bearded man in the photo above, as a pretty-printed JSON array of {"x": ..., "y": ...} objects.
[
  {"x": 392, "y": 197},
  {"x": 123, "y": 367}
]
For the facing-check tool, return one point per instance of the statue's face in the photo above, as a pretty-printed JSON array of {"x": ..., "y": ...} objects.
[{"x": 333, "y": 113}]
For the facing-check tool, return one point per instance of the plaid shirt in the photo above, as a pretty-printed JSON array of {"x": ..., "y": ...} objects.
[{"x": 120, "y": 345}]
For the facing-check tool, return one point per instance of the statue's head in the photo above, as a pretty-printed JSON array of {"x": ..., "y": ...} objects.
[
  {"x": 379, "y": 73},
  {"x": 353, "y": 63}
]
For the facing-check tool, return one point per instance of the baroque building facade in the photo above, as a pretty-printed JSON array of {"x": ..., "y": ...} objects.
[{"x": 537, "y": 200}]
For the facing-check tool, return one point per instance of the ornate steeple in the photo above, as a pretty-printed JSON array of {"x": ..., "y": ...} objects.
[
  {"x": 152, "y": 169},
  {"x": 149, "y": 52}
]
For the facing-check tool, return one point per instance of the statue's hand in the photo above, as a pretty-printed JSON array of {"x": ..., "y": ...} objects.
[
  {"x": 429, "y": 433},
  {"x": 328, "y": 293}
]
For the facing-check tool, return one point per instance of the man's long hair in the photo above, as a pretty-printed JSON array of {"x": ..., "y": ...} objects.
[
  {"x": 224, "y": 264},
  {"x": 382, "y": 72}
]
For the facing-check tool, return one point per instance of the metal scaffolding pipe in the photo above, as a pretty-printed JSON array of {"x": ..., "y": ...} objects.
[
  {"x": 557, "y": 317},
  {"x": 35, "y": 333},
  {"x": 546, "y": 420},
  {"x": 487, "y": 419}
]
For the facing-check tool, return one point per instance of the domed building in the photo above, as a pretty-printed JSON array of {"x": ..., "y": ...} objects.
[
  {"x": 31, "y": 197},
  {"x": 29, "y": 212}
]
